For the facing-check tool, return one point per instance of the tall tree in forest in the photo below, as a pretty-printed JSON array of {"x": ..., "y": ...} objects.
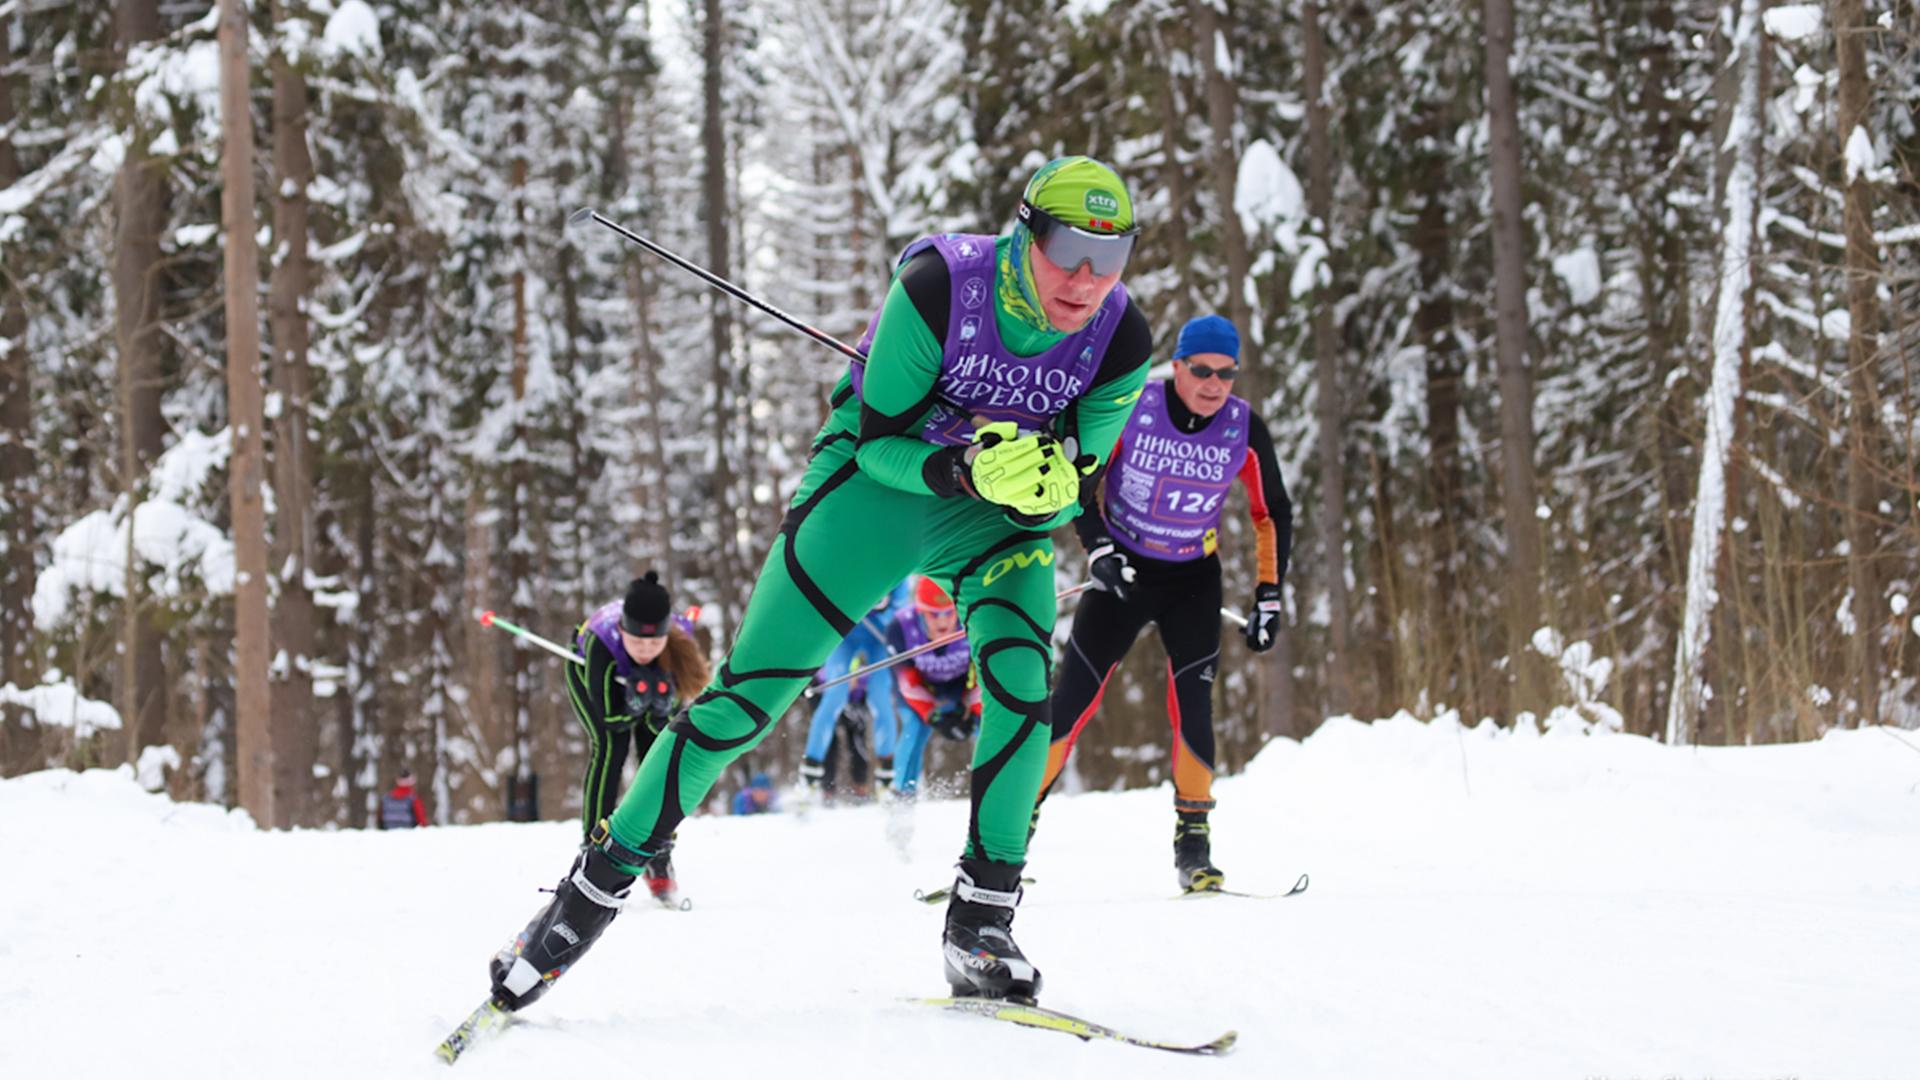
[
  {"x": 1450, "y": 656},
  {"x": 1326, "y": 360},
  {"x": 1516, "y": 375},
  {"x": 519, "y": 515},
  {"x": 259, "y": 787},
  {"x": 16, "y": 456},
  {"x": 1210, "y": 51},
  {"x": 1744, "y": 136},
  {"x": 636, "y": 189},
  {"x": 1665, "y": 296},
  {"x": 715, "y": 208},
  {"x": 1214, "y": 57},
  {"x": 140, "y": 208},
  {"x": 293, "y": 609},
  {"x": 1864, "y": 457}
]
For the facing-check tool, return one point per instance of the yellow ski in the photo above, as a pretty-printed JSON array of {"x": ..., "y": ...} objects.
[
  {"x": 486, "y": 1020},
  {"x": 1030, "y": 1015}
]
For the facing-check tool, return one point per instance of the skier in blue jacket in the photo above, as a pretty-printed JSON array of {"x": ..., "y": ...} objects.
[{"x": 865, "y": 646}]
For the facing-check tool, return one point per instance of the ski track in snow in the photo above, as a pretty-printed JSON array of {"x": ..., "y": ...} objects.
[{"x": 1597, "y": 906}]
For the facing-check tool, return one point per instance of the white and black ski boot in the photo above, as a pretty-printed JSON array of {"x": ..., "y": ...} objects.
[
  {"x": 583, "y": 905},
  {"x": 1192, "y": 854},
  {"x": 981, "y": 957},
  {"x": 813, "y": 771}
]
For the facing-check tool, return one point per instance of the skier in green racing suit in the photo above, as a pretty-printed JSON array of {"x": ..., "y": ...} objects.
[{"x": 999, "y": 372}]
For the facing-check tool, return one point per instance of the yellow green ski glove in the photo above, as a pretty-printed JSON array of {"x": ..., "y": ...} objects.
[{"x": 1033, "y": 474}]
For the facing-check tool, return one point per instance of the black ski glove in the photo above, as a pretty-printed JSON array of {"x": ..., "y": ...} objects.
[
  {"x": 1110, "y": 570},
  {"x": 1263, "y": 622},
  {"x": 648, "y": 699}
]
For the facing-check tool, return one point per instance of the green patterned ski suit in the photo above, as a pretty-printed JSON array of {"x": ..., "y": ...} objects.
[{"x": 868, "y": 513}]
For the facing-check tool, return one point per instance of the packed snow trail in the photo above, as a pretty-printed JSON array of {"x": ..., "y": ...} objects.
[{"x": 1483, "y": 905}]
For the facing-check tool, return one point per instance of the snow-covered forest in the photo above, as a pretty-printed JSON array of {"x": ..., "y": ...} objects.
[{"x": 1588, "y": 333}]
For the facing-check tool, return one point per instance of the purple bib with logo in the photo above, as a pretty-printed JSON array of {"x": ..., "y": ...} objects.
[
  {"x": 944, "y": 664},
  {"x": 979, "y": 375},
  {"x": 1165, "y": 488}
]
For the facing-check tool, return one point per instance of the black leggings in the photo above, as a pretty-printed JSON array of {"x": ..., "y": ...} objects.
[
  {"x": 606, "y": 751},
  {"x": 1185, "y": 604}
]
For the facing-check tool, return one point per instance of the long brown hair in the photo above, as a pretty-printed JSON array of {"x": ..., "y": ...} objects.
[{"x": 685, "y": 664}]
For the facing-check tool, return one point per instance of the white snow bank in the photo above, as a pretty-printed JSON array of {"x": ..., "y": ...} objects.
[
  {"x": 1485, "y": 904},
  {"x": 112, "y": 802}
]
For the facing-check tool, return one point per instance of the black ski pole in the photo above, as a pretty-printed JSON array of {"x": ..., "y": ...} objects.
[{"x": 589, "y": 214}]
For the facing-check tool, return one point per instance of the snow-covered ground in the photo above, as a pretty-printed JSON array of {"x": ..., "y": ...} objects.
[{"x": 1482, "y": 905}]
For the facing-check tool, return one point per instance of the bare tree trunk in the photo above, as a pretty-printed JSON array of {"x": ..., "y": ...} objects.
[
  {"x": 1277, "y": 698},
  {"x": 1172, "y": 125},
  {"x": 1331, "y": 413},
  {"x": 1665, "y": 294},
  {"x": 259, "y": 792},
  {"x": 1223, "y": 160},
  {"x": 140, "y": 203},
  {"x": 1391, "y": 654},
  {"x": 360, "y": 705},
  {"x": 482, "y": 669},
  {"x": 1516, "y": 376},
  {"x": 1451, "y": 656},
  {"x": 655, "y": 502},
  {"x": 1863, "y": 349},
  {"x": 519, "y": 510},
  {"x": 718, "y": 253},
  {"x": 1690, "y": 690},
  {"x": 293, "y": 617},
  {"x": 17, "y": 746}
]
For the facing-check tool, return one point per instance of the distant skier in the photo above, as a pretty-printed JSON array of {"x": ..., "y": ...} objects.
[
  {"x": 756, "y": 797},
  {"x": 401, "y": 808},
  {"x": 641, "y": 663},
  {"x": 937, "y": 686},
  {"x": 999, "y": 372},
  {"x": 848, "y": 748},
  {"x": 864, "y": 646},
  {"x": 1152, "y": 552}
]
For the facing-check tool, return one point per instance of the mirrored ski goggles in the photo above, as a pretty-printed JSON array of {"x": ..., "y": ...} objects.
[
  {"x": 1068, "y": 246},
  {"x": 1202, "y": 371}
]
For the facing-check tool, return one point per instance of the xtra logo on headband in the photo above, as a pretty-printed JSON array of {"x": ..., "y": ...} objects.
[{"x": 1103, "y": 204}]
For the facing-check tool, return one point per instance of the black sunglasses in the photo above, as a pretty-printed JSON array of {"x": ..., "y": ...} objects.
[
  {"x": 1067, "y": 246},
  {"x": 1224, "y": 374}
]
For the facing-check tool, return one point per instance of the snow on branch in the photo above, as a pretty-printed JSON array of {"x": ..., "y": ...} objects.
[
  {"x": 60, "y": 704},
  {"x": 173, "y": 545},
  {"x": 1794, "y": 22},
  {"x": 23, "y": 192}
]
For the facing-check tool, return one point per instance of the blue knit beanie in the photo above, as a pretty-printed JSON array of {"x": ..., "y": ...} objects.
[{"x": 1208, "y": 334}]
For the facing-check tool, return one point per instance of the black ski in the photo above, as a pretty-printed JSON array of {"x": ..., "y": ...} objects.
[
  {"x": 1033, "y": 1016},
  {"x": 487, "y": 1020}
]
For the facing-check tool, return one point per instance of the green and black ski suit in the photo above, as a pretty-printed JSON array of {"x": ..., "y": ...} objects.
[{"x": 872, "y": 509}]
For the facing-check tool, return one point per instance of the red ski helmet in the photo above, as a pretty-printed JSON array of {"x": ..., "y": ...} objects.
[{"x": 929, "y": 597}]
